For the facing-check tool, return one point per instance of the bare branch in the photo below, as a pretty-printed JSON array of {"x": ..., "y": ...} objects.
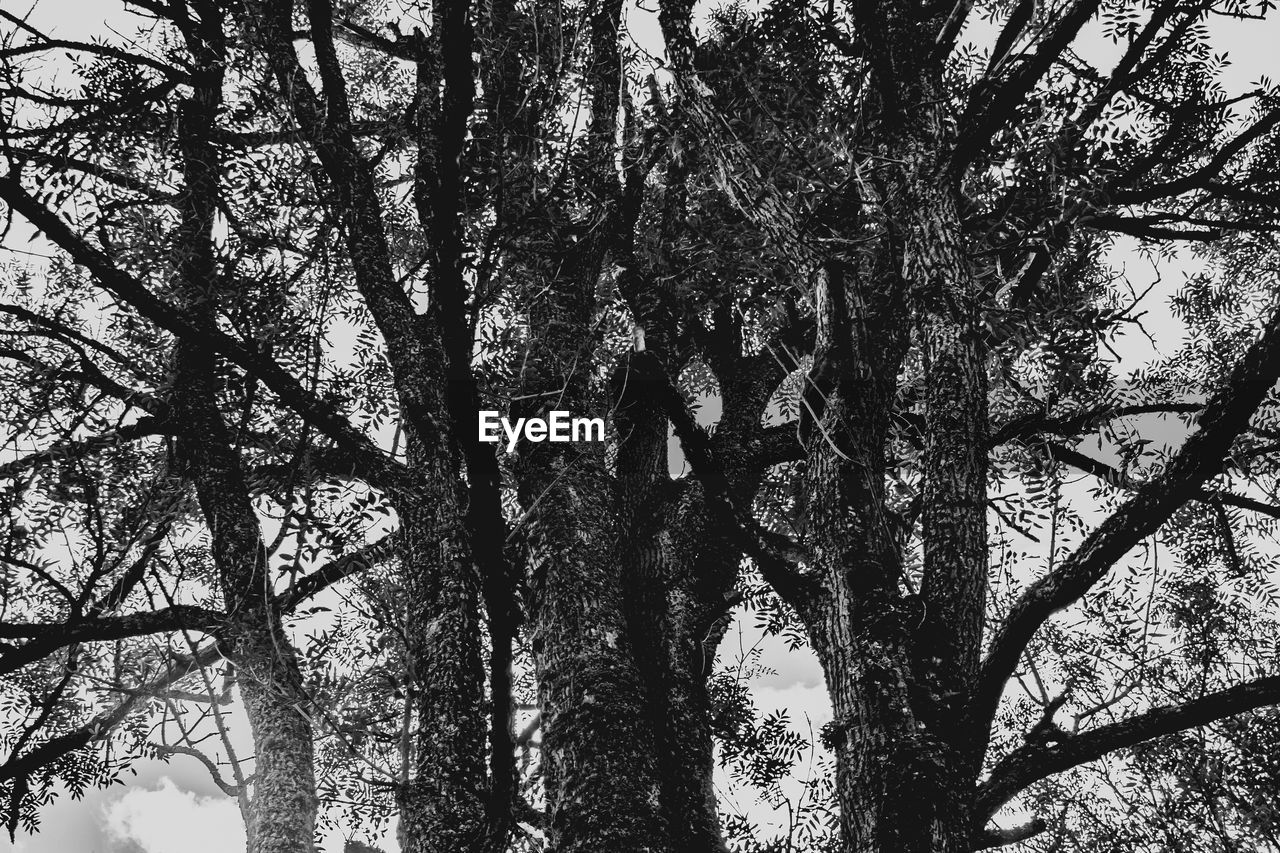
[
  {"x": 47, "y": 637},
  {"x": 227, "y": 788}
]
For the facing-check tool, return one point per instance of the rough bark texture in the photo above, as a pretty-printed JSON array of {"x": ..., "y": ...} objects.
[
  {"x": 899, "y": 662},
  {"x": 677, "y": 575},
  {"x": 886, "y": 776},
  {"x": 597, "y": 751},
  {"x": 598, "y": 759},
  {"x": 442, "y": 803},
  {"x": 284, "y": 798},
  {"x": 445, "y": 92}
]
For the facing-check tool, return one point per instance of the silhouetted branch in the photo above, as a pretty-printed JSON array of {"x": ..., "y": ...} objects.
[
  {"x": 1039, "y": 760},
  {"x": 1202, "y": 456}
]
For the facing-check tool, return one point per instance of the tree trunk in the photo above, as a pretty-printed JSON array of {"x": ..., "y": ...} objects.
[
  {"x": 898, "y": 786},
  {"x": 666, "y": 596},
  {"x": 284, "y": 796},
  {"x": 897, "y": 781},
  {"x": 680, "y": 703},
  {"x": 598, "y": 764},
  {"x": 284, "y": 804},
  {"x": 283, "y": 808},
  {"x": 442, "y": 805},
  {"x": 284, "y": 801},
  {"x": 899, "y": 665},
  {"x": 598, "y": 760}
]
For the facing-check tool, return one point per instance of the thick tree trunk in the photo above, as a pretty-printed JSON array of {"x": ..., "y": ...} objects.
[
  {"x": 898, "y": 783},
  {"x": 442, "y": 806},
  {"x": 284, "y": 795},
  {"x": 899, "y": 665},
  {"x": 948, "y": 642},
  {"x": 284, "y": 804},
  {"x": 598, "y": 748},
  {"x": 687, "y": 760},
  {"x": 598, "y": 765},
  {"x": 668, "y": 584}
]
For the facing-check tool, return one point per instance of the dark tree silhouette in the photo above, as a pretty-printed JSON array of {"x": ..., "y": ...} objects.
[{"x": 300, "y": 247}]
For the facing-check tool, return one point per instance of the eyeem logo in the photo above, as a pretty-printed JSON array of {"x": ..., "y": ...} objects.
[{"x": 558, "y": 427}]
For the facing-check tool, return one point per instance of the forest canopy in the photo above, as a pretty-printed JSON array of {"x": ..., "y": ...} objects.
[{"x": 935, "y": 346}]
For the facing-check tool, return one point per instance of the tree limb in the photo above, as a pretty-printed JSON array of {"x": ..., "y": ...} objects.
[
  {"x": 1035, "y": 761},
  {"x": 227, "y": 788},
  {"x": 47, "y": 637},
  {"x": 343, "y": 567},
  {"x": 81, "y": 447},
  {"x": 993, "y": 103},
  {"x": 99, "y": 726},
  {"x": 1111, "y": 476},
  {"x": 777, "y": 557},
  {"x": 1026, "y": 426},
  {"x": 996, "y": 837},
  {"x": 1225, "y": 416},
  {"x": 130, "y": 290}
]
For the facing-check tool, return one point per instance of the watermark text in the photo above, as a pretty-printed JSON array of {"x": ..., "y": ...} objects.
[{"x": 558, "y": 426}]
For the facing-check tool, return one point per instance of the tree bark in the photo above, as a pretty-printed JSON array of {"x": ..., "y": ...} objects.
[
  {"x": 442, "y": 803},
  {"x": 675, "y": 592},
  {"x": 284, "y": 797},
  {"x": 598, "y": 746},
  {"x": 598, "y": 764},
  {"x": 898, "y": 783}
]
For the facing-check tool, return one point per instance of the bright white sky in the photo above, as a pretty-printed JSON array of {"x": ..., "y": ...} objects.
[{"x": 175, "y": 808}]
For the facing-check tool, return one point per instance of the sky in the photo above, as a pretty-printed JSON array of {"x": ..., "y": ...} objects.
[{"x": 174, "y": 806}]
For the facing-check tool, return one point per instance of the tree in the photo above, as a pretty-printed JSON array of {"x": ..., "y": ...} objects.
[{"x": 881, "y": 242}]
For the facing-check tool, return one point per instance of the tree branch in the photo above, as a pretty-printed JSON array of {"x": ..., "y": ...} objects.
[
  {"x": 99, "y": 726},
  {"x": 1111, "y": 476},
  {"x": 1026, "y": 426},
  {"x": 343, "y": 567},
  {"x": 1202, "y": 178},
  {"x": 777, "y": 557},
  {"x": 133, "y": 292},
  {"x": 227, "y": 788},
  {"x": 983, "y": 116},
  {"x": 48, "y": 43},
  {"x": 1035, "y": 761},
  {"x": 1202, "y": 456},
  {"x": 45, "y": 638},
  {"x": 81, "y": 447},
  {"x": 996, "y": 837}
]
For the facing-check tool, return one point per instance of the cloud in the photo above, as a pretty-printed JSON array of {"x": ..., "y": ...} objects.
[{"x": 168, "y": 819}]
